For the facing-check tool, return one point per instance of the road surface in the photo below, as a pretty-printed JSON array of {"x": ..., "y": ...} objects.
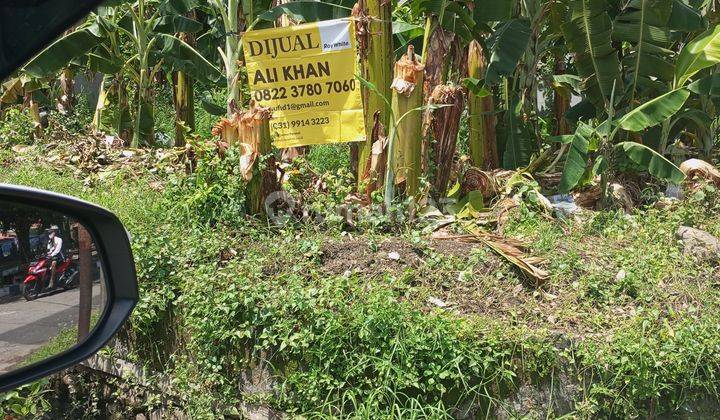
[{"x": 27, "y": 326}]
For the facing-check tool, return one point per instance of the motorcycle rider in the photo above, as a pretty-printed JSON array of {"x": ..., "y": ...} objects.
[{"x": 54, "y": 253}]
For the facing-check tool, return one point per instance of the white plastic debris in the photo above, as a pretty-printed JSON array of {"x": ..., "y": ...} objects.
[
  {"x": 437, "y": 302},
  {"x": 674, "y": 191},
  {"x": 563, "y": 204}
]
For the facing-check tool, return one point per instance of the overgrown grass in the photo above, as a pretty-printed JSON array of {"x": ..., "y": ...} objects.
[
  {"x": 329, "y": 158},
  {"x": 64, "y": 340},
  {"x": 220, "y": 293}
]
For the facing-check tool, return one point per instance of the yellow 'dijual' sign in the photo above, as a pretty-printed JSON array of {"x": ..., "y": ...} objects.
[{"x": 306, "y": 75}]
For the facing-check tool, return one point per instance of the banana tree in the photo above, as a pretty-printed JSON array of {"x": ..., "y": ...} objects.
[
  {"x": 449, "y": 30},
  {"x": 129, "y": 42},
  {"x": 94, "y": 45},
  {"x": 25, "y": 89},
  {"x": 152, "y": 49},
  {"x": 231, "y": 14},
  {"x": 588, "y": 33},
  {"x": 593, "y": 151},
  {"x": 588, "y": 158},
  {"x": 631, "y": 46},
  {"x": 375, "y": 40}
]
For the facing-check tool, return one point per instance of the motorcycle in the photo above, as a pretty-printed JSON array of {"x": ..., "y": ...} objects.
[{"x": 38, "y": 277}]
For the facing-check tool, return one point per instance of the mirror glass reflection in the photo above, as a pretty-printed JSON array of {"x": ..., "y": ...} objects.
[{"x": 52, "y": 285}]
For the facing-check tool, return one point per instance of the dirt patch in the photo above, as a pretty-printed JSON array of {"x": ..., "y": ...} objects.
[
  {"x": 390, "y": 256},
  {"x": 468, "y": 287},
  {"x": 485, "y": 286},
  {"x": 470, "y": 280}
]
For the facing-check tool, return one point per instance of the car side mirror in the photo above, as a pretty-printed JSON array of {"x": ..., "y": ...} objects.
[{"x": 67, "y": 282}]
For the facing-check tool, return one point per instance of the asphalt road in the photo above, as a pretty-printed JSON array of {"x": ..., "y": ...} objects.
[{"x": 27, "y": 326}]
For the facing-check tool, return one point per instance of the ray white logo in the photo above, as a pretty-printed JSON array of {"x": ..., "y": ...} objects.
[{"x": 334, "y": 35}]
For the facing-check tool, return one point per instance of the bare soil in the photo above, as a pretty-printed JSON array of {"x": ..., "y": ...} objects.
[
  {"x": 473, "y": 281},
  {"x": 390, "y": 256}
]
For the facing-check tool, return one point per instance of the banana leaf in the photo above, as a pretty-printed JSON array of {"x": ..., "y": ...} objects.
[
  {"x": 583, "y": 110},
  {"x": 707, "y": 86},
  {"x": 458, "y": 20},
  {"x": 588, "y": 34},
  {"x": 507, "y": 45},
  {"x": 177, "y": 23},
  {"x": 406, "y": 33},
  {"x": 252, "y": 8},
  {"x": 684, "y": 18},
  {"x": 476, "y": 87},
  {"x": 696, "y": 120},
  {"x": 211, "y": 107},
  {"x": 700, "y": 53},
  {"x": 494, "y": 10},
  {"x": 59, "y": 54},
  {"x": 655, "y": 111},
  {"x": 177, "y": 7},
  {"x": 652, "y": 161},
  {"x": 306, "y": 11},
  {"x": 569, "y": 80},
  {"x": 102, "y": 61},
  {"x": 182, "y": 57},
  {"x": 643, "y": 25},
  {"x": 577, "y": 158},
  {"x": 399, "y": 27},
  {"x": 456, "y": 17},
  {"x": 518, "y": 143}
]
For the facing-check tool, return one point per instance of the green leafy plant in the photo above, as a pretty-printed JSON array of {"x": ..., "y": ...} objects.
[
  {"x": 26, "y": 401},
  {"x": 16, "y": 127}
]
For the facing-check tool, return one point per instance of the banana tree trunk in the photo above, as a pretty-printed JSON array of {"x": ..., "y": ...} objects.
[
  {"x": 183, "y": 95},
  {"x": 144, "y": 134},
  {"x": 97, "y": 121},
  {"x": 257, "y": 161},
  {"x": 232, "y": 56},
  {"x": 377, "y": 163},
  {"x": 407, "y": 98},
  {"x": 183, "y": 99},
  {"x": 34, "y": 110},
  {"x": 112, "y": 89},
  {"x": 435, "y": 57},
  {"x": 66, "y": 101},
  {"x": 561, "y": 101},
  {"x": 123, "y": 118},
  {"x": 445, "y": 128},
  {"x": 482, "y": 137},
  {"x": 374, "y": 36}
]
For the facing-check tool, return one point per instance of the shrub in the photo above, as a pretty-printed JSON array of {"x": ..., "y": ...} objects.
[{"x": 16, "y": 127}]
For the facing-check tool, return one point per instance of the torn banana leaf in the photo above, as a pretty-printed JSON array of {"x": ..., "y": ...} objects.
[{"x": 514, "y": 252}]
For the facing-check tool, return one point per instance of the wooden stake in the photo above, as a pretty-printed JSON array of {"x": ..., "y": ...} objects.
[{"x": 85, "y": 282}]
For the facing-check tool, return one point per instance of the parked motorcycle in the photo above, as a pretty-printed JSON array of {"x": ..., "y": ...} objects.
[{"x": 38, "y": 277}]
